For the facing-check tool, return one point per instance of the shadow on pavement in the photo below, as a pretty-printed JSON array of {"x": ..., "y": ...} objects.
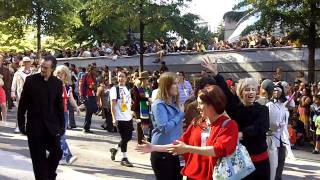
[{"x": 113, "y": 172}]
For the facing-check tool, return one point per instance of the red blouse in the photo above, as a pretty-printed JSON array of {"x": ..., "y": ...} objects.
[{"x": 199, "y": 166}]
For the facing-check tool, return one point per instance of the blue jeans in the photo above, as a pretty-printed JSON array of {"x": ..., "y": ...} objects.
[{"x": 63, "y": 140}]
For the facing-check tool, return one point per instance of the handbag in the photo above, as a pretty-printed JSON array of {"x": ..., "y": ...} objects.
[{"x": 234, "y": 167}]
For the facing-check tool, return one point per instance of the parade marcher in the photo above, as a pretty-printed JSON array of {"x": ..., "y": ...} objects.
[
  {"x": 103, "y": 98},
  {"x": 191, "y": 105},
  {"x": 167, "y": 124},
  {"x": 3, "y": 102},
  {"x": 120, "y": 98},
  {"x": 275, "y": 140},
  {"x": 7, "y": 79},
  {"x": 210, "y": 137},
  {"x": 88, "y": 93},
  {"x": 41, "y": 98},
  {"x": 184, "y": 88},
  {"x": 251, "y": 117},
  {"x": 63, "y": 73},
  {"x": 265, "y": 92},
  {"x": 141, "y": 94},
  {"x": 18, "y": 81},
  {"x": 289, "y": 106},
  {"x": 72, "y": 122}
]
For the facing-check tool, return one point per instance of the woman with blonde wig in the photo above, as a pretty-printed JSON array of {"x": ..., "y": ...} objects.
[
  {"x": 64, "y": 74},
  {"x": 251, "y": 117}
]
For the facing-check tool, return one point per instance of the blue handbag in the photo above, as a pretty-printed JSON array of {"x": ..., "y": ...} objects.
[{"x": 234, "y": 167}]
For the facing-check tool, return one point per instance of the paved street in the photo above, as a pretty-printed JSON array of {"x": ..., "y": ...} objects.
[{"x": 94, "y": 158}]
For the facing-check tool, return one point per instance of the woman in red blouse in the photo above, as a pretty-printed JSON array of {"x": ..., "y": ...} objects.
[{"x": 205, "y": 140}]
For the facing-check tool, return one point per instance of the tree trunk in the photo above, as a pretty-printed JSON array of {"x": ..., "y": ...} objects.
[
  {"x": 141, "y": 35},
  {"x": 38, "y": 32},
  {"x": 141, "y": 45},
  {"x": 312, "y": 44}
]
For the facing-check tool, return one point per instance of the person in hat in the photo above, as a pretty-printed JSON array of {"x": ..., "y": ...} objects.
[
  {"x": 266, "y": 91},
  {"x": 19, "y": 78},
  {"x": 275, "y": 139},
  {"x": 141, "y": 95}
]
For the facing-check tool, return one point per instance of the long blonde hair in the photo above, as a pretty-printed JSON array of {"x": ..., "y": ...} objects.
[
  {"x": 64, "y": 69},
  {"x": 165, "y": 82}
]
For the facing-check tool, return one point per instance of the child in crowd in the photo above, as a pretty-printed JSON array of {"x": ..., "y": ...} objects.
[
  {"x": 292, "y": 134},
  {"x": 298, "y": 126}
]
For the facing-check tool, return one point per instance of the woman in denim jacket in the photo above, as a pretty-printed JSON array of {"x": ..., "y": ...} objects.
[{"x": 167, "y": 124}]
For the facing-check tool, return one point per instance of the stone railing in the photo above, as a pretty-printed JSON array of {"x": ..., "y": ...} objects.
[{"x": 233, "y": 63}]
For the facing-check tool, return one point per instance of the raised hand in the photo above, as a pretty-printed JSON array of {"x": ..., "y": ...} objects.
[{"x": 211, "y": 66}]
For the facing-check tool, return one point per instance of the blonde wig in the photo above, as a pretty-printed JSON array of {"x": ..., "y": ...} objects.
[
  {"x": 243, "y": 83},
  {"x": 63, "y": 69}
]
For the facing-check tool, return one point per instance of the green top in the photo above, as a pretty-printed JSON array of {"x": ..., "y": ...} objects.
[{"x": 317, "y": 123}]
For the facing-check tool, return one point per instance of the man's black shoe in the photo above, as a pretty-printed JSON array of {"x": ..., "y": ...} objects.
[
  {"x": 125, "y": 162},
  {"x": 315, "y": 152},
  {"x": 103, "y": 127},
  {"x": 88, "y": 131},
  {"x": 113, "y": 152}
]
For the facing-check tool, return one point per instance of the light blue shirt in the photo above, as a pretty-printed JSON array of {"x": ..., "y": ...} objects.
[
  {"x": 185, "y": 91},
  {"x": 167, "y": 123}
]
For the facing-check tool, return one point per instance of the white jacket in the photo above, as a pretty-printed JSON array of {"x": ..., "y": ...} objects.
[{"x": 18, "y": 82}]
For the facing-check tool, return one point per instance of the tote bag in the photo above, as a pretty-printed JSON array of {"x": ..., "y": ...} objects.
[{"x": 234, "y": 167}]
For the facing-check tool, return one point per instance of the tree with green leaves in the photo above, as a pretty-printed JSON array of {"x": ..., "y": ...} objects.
[
  {"x": 141, "y": 14},
  {"x": 296, "y": 16},
  {"x": 49, "y": 17}
]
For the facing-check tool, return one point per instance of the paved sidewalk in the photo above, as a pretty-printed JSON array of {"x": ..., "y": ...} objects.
[
  {"x": 18, "y": 167},
  {"x": 94, "y": 161}
]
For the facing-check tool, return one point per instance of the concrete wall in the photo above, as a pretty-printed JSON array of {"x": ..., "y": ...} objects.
[{"x": 232, "y": 63}]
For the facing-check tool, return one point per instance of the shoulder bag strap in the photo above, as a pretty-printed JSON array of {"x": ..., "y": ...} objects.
[{"x": 222, "y": 126}]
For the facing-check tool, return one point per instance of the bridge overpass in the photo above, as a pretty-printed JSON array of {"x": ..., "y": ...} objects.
[{"x": 236, "y": 64}]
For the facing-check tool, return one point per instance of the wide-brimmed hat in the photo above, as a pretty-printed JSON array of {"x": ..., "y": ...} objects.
[
  {"x": 143, "y": 75},
  {"x": 26, "y": 59}
]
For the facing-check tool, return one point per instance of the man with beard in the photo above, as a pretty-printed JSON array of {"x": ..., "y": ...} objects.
[{"x": 41, "y": 98}]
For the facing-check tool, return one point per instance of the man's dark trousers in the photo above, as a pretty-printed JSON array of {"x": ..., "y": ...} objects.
[
  {"x": 91, "y": 107},
  {"x": 44, "y": 167}
]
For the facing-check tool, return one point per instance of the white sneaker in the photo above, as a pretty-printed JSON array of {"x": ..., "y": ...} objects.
[
  {"x": 63, "y": 162},
  {"x": 17, "y": 130},
  {"x": 72, "y": 160}
]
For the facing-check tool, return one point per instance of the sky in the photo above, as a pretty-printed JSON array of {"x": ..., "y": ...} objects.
[{"x": 211, "y": 11}]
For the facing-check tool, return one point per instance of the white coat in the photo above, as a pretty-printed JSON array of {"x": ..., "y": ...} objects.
[{"x": 19, "y": 78}]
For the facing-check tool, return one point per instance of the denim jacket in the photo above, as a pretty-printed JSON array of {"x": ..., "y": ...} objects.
[{"x": 167, "y": 123}]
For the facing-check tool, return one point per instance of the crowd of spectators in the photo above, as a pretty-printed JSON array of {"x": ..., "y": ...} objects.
[{"x": 161, "y": 47}]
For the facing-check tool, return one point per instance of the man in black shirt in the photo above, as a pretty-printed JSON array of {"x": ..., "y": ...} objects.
[{"x": 41, "y": 98}]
